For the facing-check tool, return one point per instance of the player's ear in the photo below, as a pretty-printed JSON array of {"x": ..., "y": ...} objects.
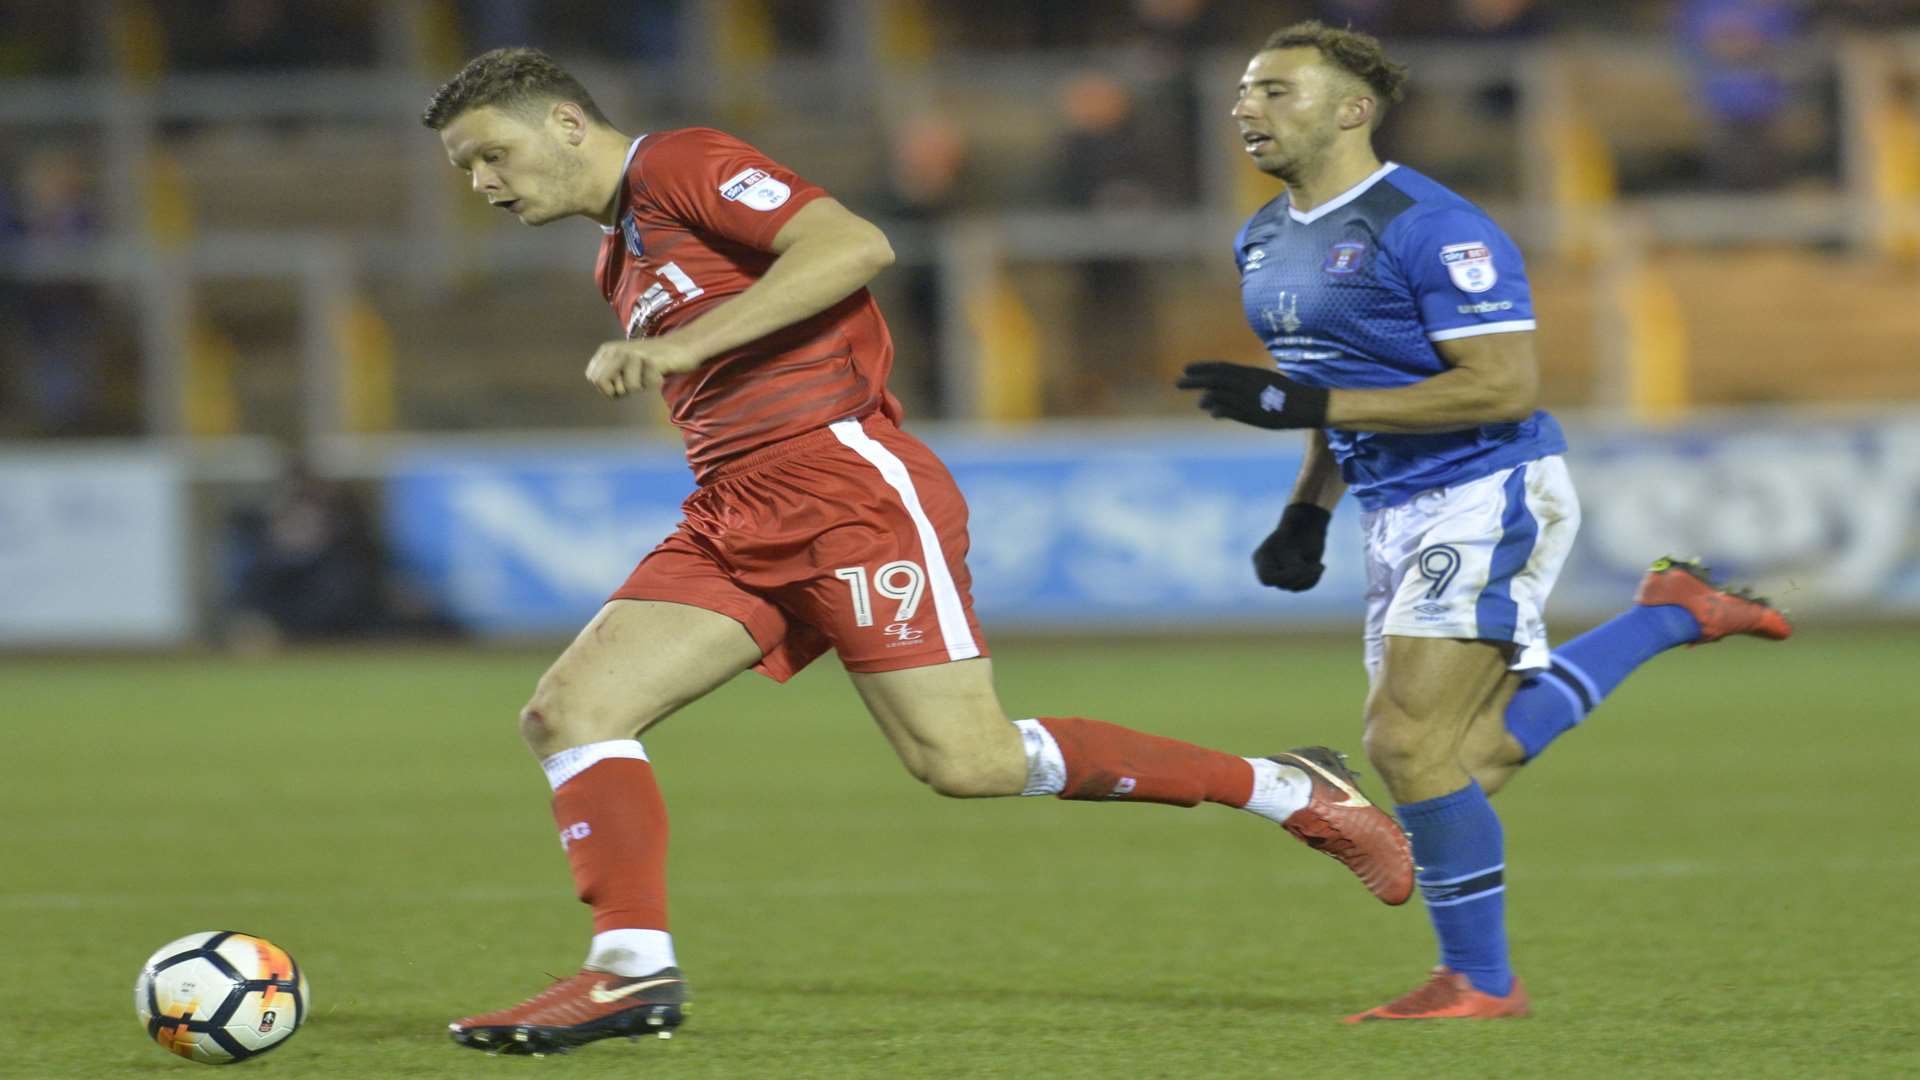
[
  {"x": 1355, "y": 111},
  {"x": 571, "y": 120}
]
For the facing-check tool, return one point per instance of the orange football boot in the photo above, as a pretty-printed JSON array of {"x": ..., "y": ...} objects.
[
  {"x": 1449, "y": 996},
  {"x": 588, "y": 1006},
  {"x": 1721, "y": 612},
  {"x": 1339, "y": 821}
]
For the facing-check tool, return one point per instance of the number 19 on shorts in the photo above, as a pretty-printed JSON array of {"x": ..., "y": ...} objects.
[{"x": 900, "y": 580}]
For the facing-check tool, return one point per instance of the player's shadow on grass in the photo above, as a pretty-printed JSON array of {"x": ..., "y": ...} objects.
[
  {"x": 762, "y": 1004},
  {"x": 370, "y": 1026},
  {"x": 1159, "y": 998}
]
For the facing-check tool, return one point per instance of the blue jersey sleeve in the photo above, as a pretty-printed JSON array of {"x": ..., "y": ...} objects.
[{"x": 1466, "y": 275}]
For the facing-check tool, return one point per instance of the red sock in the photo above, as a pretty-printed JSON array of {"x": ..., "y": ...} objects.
[
  {"x": 1107, "y": 761},
  {"x": 613, "y": 824}
]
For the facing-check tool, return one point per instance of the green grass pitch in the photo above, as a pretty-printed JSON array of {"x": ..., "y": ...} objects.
[{"x": 1715, "y": 876}]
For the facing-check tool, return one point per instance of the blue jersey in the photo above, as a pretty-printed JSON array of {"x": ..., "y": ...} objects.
[{"x": 1353, "y": 294}]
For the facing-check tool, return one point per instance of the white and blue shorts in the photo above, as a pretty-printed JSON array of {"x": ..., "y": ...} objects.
[{"x": 1473, "y": 562}]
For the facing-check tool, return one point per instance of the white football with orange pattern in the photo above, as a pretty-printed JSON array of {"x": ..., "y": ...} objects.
[{"x": 220, "y": 996}]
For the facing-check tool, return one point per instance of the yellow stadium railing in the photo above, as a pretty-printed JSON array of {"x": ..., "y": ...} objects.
[
  {"x": 1659, "y": 364},
  {"x": 1585, "y": 187},
  {"x": 905, "y": 32},
  {"x": 211, "y": 403},
  {"x": 136, "y": 41},
  {"x": 1008, "y": 388},
  {"x": 366, "y": 349},
  {"x": 1893, "y": 140}
]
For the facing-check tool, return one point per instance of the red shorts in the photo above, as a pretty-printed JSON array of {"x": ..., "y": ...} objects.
[{"x": 851, "y": 538}]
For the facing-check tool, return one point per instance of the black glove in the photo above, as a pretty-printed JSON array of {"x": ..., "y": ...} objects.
[
  {"x": 1290, "y": 558},
  {"x": 1256, "y": 396}
]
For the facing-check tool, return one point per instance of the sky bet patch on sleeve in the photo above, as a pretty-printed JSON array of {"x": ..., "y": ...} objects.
[
  {"x": 755, "y": 189},
  {"x": 1470, "y": 266}
]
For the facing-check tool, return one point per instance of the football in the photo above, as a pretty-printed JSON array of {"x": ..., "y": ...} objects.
[{"x": 220, "y": 996}]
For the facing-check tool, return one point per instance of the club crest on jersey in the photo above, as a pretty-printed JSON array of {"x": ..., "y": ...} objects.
[
  {"x": 630, "y": 229},
  {"x": 1346, "y": 257},
  {"x": 756, "y": 189},
  {"x": 1470, "y": 266}
]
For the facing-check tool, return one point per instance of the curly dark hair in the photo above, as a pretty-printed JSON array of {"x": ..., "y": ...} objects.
[
  {"x": 1359, "y": 55},
  {"x": 523, "y": 81}
]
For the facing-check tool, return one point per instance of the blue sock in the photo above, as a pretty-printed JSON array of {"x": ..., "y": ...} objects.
[
  {"x": 1589, "y": 667},
  {"x": 1460, "y": 851}
]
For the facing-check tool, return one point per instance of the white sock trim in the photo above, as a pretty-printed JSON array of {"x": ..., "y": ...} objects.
[
  {"x": 570, "y": 763},
  {"x": 630, "y": 953},
  {"x": 1278, "y": 790},
  {"x": 1046, "y": 769}
]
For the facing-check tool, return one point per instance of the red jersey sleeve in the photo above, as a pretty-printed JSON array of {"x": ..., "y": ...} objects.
[{"x": 715, "y": 182}]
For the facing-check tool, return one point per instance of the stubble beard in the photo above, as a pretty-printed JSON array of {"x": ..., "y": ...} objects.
[
  {"x": 1304, "y": 162},
  {"x": 561, "y": 190}
]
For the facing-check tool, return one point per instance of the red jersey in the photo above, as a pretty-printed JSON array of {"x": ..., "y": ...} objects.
[{"x": 697, "y": 213}]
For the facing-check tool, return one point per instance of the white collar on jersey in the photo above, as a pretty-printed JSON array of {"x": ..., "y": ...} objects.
[
  {"x": 624, "y": 166},
  {"x": 1341, "y": 199}
]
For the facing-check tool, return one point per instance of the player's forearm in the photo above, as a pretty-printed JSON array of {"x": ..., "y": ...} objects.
[
  {"x": 804, "y": 281},
  {"x": 1453, "y": 400},
  {"x": 1319, "y": 482}
]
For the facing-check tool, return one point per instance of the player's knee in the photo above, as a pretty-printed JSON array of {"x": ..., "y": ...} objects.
[
  {"x": 537, "y": 728},
  {"x": 915, "y": 763},
  {"x": 1396, "y": 743},
  {"x": 963, "y": 777},
  {"x": 550, "y": 723}
]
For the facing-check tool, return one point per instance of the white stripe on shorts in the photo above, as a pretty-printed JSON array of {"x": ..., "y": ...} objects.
[{"x": 946, "y": 599}]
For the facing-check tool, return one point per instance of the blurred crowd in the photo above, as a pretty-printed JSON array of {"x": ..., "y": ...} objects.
[
  {"x": 42, "y": 37},
  {"x": 67, "y": 363},
  {"x": 302, "y": 561},
  {"x": 1113, "y": 127},
  {"x": 1105, "y": 110}
]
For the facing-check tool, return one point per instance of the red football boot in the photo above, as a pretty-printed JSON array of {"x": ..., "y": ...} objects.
[
  {"x": 591, "y": 1005},
  {"x": 1339, "y": 821},
  {"x": 1449, "y": 996},
  {"x": 1721, "y": 612}
]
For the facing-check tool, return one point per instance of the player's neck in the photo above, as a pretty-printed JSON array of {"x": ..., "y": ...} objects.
[
  {"x": 1333, "y": 175},
  {"x": 607, "y": 165}
]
